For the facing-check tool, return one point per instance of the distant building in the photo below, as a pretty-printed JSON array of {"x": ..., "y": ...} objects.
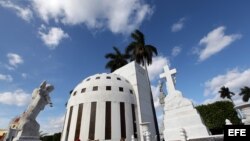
[{"x": 110, "y": 107}]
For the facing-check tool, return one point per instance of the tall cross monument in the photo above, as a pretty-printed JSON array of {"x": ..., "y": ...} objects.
[
  {"x": 179, "y": 113},
  {"x": 169, "y": 74}
]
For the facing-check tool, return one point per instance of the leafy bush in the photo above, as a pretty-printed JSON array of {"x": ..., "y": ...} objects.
[
  {"x": 55, "y": 137},
  {"x": 215, "y": 114}
]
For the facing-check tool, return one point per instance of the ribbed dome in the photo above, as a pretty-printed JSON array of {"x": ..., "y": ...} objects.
[
  {"x": 102, "y": 106},
  {"x": 103, "y": 87}
]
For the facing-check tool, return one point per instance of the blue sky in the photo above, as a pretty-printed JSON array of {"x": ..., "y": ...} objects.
[{"x": 64, "y": 41}]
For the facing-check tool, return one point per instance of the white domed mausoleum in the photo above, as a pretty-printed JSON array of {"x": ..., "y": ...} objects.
[{"x": 110, "y": 107}]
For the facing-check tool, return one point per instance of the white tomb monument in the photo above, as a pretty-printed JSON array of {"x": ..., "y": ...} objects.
[
  {"x": 25, "y": 127},
  {"x": 181, "y": 119},
  {"x": 244, "y": 109},
  {"x": 111, "y": 107}
]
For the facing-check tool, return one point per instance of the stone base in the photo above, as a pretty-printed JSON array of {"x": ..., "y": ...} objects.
[
  {"x": 27, "y": 138},
  {"x": 209, "y": 138},
  {"x": 181, "y": 119}
]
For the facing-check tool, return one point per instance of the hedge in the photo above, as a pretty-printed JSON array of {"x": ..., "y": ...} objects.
[{"x": 214, "y": 115}]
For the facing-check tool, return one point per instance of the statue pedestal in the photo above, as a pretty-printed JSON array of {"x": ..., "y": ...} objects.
[
  {"x": 181, "y": 119},
  {"x": 27, "y": 138}
]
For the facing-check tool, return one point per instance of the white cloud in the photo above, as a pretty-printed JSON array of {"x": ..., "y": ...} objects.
[
  {"x": 214, "y": 99},
  {"x": 24, "y": 13},
  {"x": 215, "y": 41},
  {"x": 14, "y": 59},
  {"x": 178, "y": 26},
  {"x": 157, "y": 105},
  {"x": 176, "y": 51},
  {"x": 24, "y": 75},
  {"x": 119, "y": 16},
  {"x": 155, "y": 92},
  {"x": 18, "y": 98},
  {"x": 9, "y": 67},
  {"x": 6, "y": 77},
  {"x": 156, "y": 67},
  {"x": 234, "y": 79},
  {"x": 52, "y": 36},
  {"x": 53, "y": 125}
]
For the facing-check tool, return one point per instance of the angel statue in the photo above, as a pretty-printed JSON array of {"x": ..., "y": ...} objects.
[{"x": 26, "y": 127}]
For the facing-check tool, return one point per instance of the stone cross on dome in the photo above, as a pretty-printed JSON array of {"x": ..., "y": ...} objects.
[{"x": 169, "y": 75}]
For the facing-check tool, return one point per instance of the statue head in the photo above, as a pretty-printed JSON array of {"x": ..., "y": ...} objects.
[{"x": 47, "y": 87}]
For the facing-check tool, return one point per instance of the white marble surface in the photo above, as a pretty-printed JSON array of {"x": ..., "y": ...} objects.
[
  {"x": 132, "y": 77},
  {"x": 28, "y": 127},
  {"x": 181, "y": 119},
  {"x": 170, "y": 77},
  {"x": 136, "y": 75},
  {"x": 181, "y": 114},
  {"x": 100, "y": 96},
  {"x": 245, "y": 111}
]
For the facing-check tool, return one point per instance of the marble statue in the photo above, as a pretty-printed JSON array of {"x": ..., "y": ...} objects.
[
  {"x": 27, "y": 127},
  {"x": 181, "y": 119},
  {"x": 170, "y": 77},
  {"x": 174, "y": 99},
  {"x": 162, "y": 95}
]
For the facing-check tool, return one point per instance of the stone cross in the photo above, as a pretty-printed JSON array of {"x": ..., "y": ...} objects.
[{"x": 168, "y": 74}]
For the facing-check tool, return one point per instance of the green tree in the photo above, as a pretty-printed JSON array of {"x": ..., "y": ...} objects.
[
  {"x": 245, "y": 91},
  {"x": 139, "y": 51},
  {"x": 47, "y": 138},
  {"x": 142, "y": 53},
  {"x": 226, "y": 93},
  {"x": 57, "y": 137},
  {"x": 42, "y": 134},
  {"x": 117, "y": 59},
  {"x": 215, "y": 114}
]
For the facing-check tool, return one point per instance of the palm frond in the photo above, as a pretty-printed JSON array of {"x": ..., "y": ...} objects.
[
  {"x": 110, "y": 55},
  {"x": 116, "y": 50},
  {"x": 117, "y": 59},
  {"x": 226, "y": 93},
  {"x": 130, "y": 48},
  {"x": 245, "y": 91},
  {"x": 152, "y": 49}
]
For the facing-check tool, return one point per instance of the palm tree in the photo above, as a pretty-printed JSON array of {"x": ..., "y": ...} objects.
[
  {"x": 139, "y": 51},
  {"x": 226, "y": 93},
  {"x": 142, "y": 54},
  {"x": 246, "y": 93},
  {"x": 117, "y": 60}
]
